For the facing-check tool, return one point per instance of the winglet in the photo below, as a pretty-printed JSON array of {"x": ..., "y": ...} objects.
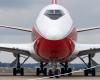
[{"x": 54, "y": 1}]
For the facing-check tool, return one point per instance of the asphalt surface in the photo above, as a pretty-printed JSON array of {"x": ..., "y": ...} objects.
[
  {"x": 30, "y": 76},
  {"x": 42, "y": 78}
]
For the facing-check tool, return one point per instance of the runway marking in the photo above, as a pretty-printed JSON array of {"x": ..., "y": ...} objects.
[
  {"x": 66, "y": 74},
  {"x": 67, "y": 79}
]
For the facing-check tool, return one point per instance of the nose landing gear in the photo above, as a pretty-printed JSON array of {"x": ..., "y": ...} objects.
[{"x": 54, "y": 72}]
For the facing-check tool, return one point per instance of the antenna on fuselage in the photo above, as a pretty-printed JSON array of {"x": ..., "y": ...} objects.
[{"x": 54, "y": 1}]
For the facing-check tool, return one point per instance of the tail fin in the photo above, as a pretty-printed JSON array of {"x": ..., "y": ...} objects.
[{"x": 54, "y": 1}]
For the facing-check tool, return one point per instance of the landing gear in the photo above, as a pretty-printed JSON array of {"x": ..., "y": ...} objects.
[
  {"x": 66, "y": 69},
  {"x": 18, "y": 69},
  {"x": 93, "y": 72},
  {"x": 42, "y": 69},
  {"x": 57, "y": 73},
  {"x": 54, "y": 72},
  {"x": 90, "y": 70},
  {"x": 50, "y": 73}
]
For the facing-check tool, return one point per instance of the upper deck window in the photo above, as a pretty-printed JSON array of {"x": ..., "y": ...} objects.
[{"x": 54, "y": 14}]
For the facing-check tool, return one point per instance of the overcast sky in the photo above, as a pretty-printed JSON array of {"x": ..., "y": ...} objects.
[{"x": 85, "y": 13}]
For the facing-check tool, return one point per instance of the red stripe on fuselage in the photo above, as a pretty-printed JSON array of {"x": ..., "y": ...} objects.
[{"x": 54, "y": 49}]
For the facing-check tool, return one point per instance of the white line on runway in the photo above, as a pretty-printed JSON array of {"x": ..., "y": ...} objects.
[{"x": 65, "y": 74}]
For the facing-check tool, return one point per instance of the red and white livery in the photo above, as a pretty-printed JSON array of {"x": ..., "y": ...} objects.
[{"x": 54, "y": 38}]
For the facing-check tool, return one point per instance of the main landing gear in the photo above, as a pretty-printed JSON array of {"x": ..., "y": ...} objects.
[
  {"x": 55, "y": 71},
  {"x": 42, "y": 69},
  {"x": 18, "y": 69},
  {"x": 66, "y": 69},
  {"x": 90, "y": 70}
]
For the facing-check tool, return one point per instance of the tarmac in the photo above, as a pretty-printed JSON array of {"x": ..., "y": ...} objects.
[
  {"x": 30, "y": 76},
  {"x": 44, "y": 78},
  {"x": 40, "y": 78}
]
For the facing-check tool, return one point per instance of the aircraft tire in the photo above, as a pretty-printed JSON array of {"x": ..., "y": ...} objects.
[
  {"x": 50, "y": 73},
  {"x": 14, "y": 71},
  {"x": 63, "y": 71},
  {"x": 93, "y": 72},
  {"x": 45, "y": 71},
  {"x": 69, "y": 71},
  {"x": 38, "y": 71},
  {"x": 85, "y": 72},
  {"x": 57, "y": 73},
  {"x": 22, "y": 71}
]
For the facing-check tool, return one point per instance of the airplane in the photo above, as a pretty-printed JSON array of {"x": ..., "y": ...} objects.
[{"x": 54, "y": 42}]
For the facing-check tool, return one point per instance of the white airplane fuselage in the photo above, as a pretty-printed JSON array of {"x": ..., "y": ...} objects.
[
  {"x": 54, "y": 34},
  {"x": 54, "y": 42}
]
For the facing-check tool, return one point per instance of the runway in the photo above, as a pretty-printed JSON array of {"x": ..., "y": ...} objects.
[
  {"x": 29, "y": 76},
  {"x": 41, "y": 78}
]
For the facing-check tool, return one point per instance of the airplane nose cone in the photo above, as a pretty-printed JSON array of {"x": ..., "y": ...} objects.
[{"x": 54, "y": 29}]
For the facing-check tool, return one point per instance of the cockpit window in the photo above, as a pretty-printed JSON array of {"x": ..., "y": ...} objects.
[{"x": 54, "y": 14}]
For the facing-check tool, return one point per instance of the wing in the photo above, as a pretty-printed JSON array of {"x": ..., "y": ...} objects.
[
  {"x": 88, "y": 29},
  {"x": 25, "y": 49},
  {"x": 85, "y": 49},
  {"x": 18, "y": 28}
]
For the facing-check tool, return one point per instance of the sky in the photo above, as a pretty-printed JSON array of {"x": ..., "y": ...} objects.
[{"x": 23, "y": 13}]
